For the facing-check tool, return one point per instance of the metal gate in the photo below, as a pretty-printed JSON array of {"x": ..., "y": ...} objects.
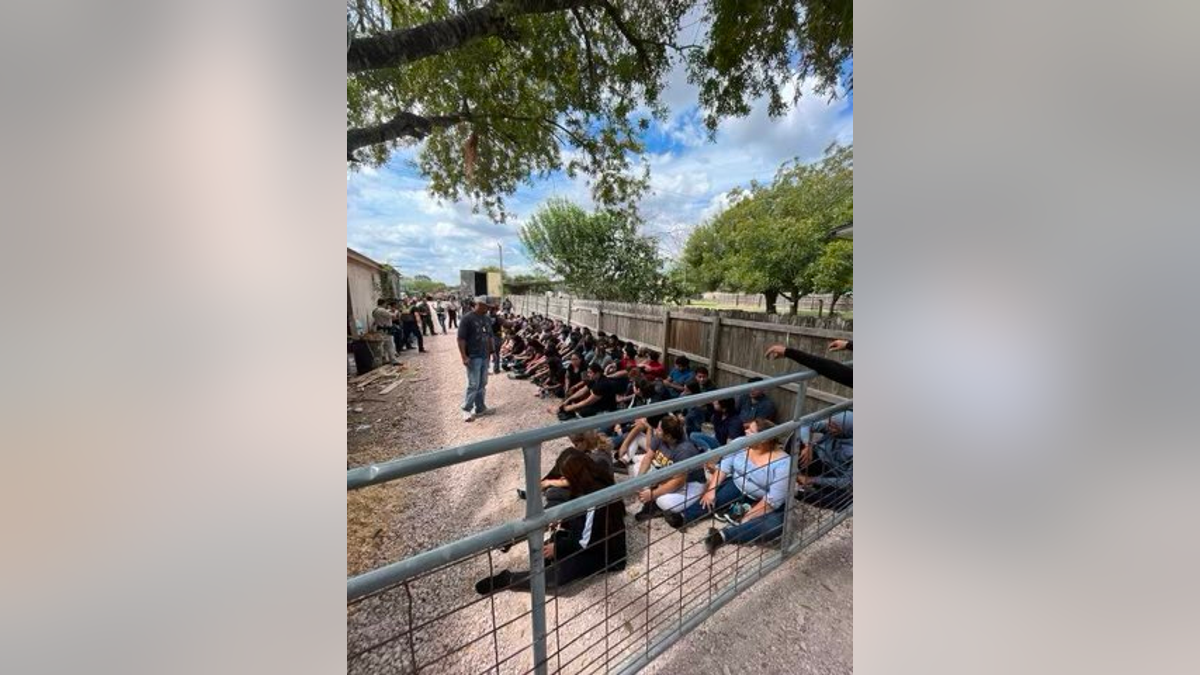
[{"x": 613, "y": 622}]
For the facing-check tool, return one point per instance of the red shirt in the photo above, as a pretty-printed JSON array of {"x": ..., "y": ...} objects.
[
  {"x": 654, "y": 370},
  {"x": 627, "y": 363}
]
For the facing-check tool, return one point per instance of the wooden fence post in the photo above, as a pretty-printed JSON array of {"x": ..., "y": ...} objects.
[
  {"x": 714, "y": 344},
  {"x": 666, "y": 334},
  {"x": 568, "y": 310},
  {"x": 600, "y": 316},
  {"x": 547, "y": 305}
]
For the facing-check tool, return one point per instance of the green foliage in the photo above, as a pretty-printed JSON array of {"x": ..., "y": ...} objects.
[
  {"x": 773, "y": 236},
  {"x": 833, "y": 272},
  {"x": 597, "y": 255},
  {"x": 567, "y": 84},
  {"x": 529, "y": 283}
]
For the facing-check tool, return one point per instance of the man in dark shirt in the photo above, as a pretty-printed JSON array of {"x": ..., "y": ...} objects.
[
  {"x": 408, "y": 323},
  {"x": 700, "y": 414},
  {"x": 756, "y": 405},
  {"x": 425, "y": 313},
  {"x": 602, "y": 396},
  {"x": 475, "y": 348},
  {"x": 497, "y": 325}
]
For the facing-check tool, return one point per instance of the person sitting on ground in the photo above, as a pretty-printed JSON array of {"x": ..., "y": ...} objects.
[
  {"x": 573, "y": 374},
  {"x": 679, "y": 376},
  {"x": 668, "y": 446},
  {"x": 698, "y": 415},
  {"x": 834, "y": 370},
  {"x": 826, "y": 475},
  {"x": 756, "y": 404},
  {"x": 628, "y": 358},
  {"x": 582, "y": 545},
  {"x": 601, "y": 398},
  {"x": 727, "y": 425},
  {"x": 551, "y": 384},
  {"x": 756, "y": 477},
  {"x": 653, "y": 368}
]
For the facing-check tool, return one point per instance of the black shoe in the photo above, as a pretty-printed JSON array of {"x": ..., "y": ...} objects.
[
  {"x": 648, "y": 511},
  {"x": 422, "y": 350},
  {"x": 673, "y": 519},
  {"x": 496, "y": 583},
  {"x": 714, "y": 540},
  {"x": 621, "y": 468},
  {"x": 520, "y": 493}
]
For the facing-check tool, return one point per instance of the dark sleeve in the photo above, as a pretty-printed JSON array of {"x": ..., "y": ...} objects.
[
  {"x": 463, "y": 330},
  {"x": 838, "y": 372}
]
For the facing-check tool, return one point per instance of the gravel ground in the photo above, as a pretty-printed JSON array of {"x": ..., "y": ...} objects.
[{"x": 811, "y": 629}]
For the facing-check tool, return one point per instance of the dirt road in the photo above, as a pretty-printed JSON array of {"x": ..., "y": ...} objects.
[{"x": 808, "y": 600}]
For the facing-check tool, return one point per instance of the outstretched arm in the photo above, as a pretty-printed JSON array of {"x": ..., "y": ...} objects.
[{"x": 838, "y": 372}]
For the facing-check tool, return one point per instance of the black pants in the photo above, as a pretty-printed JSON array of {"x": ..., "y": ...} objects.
[
  {"x": 453, "y": 319},
  {"x": 427, "y": 325},
  {"x": 824, "y": 496},
  {"x": 410, "y": 329}
]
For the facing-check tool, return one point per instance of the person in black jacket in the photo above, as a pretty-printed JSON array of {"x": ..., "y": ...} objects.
[
  {"x": 584, "y": 544},
  {"x": 834, "y": 370}
]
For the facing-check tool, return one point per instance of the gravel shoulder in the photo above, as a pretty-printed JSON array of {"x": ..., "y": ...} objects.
[{"x": 809, "y": 612}]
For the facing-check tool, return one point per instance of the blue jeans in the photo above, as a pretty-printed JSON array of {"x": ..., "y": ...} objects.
[
  {"x": 705, "y": 440},
  {"x": 477, "y": 376},
  {"x": 763, "y": 528}
]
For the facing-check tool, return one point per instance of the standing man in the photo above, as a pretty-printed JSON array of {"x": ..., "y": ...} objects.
[
  {"x": 475, "y": 346},
  {"x": 382, "y": 317},
  {"x": 408, "y": 320},
  {"x": 440, "y": 308},
  {"x": 452, "y": 310},
  {"x": 497, "y": 324},
  {"x": 426, "y": 315}
]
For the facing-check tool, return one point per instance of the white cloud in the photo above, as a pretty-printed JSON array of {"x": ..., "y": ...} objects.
[{"x": 392, "y": 218}]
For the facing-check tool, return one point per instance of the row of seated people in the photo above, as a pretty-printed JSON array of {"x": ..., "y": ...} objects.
[{"x": 746, "y": 490}]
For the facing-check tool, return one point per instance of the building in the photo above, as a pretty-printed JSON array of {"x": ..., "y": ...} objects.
[{"x": 366, "y": 282}]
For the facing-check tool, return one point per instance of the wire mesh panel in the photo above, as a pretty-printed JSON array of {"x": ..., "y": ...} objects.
[{"x": 623, "y": 596}]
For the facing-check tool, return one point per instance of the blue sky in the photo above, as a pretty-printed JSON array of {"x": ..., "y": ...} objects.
[{"x": 392, "y": 218}]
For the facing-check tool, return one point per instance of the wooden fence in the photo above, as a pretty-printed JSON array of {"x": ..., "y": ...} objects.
[
  {"x": 727, "y": 338},
  {"x": 810, "y": 303}
]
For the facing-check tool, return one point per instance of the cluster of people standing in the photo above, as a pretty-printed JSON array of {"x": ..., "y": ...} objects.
[
  {"x": 409, "y": 320},
  {"x": 590, "y": 373}
]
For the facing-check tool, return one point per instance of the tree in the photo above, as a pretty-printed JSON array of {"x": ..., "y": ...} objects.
[
  {"x": 502, "y": 90},
  {"x": 833, "y": 272},
  {"x": 769, "y": 239},
  {"x": 597, "y": 255}
]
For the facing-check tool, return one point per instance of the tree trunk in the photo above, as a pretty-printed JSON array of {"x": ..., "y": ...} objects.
[
  {"x": 397, "y": 47},
  {"x": 771, "y": 296},
  {"x": 833, "y": 302},
  {"x": 795, "y": 304}
]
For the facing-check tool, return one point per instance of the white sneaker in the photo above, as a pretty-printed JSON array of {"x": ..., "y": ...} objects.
[{"x": 468, "y": 416}]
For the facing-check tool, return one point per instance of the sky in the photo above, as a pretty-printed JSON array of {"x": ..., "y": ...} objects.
[{"x": 392, "y": 218}]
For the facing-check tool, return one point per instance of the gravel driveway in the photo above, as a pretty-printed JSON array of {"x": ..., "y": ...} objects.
[{"x": 454, "y": 626}]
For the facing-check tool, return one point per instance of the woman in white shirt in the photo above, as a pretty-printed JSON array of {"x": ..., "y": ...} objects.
[{"x": 756, "y": 477}]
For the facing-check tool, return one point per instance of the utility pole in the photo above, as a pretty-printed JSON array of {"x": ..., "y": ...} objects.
[{"x": 501, "y": 247}]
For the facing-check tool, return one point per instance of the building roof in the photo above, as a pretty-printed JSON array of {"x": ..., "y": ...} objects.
[{"x": 361, "y": 259}]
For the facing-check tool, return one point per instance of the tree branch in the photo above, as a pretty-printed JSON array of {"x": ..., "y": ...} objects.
[
  {"x": 403, "y": 125},
  {"x": 637, "y": 43},
  {"x": 398, "y": 47},
  {"x": 587, "y": 44}
]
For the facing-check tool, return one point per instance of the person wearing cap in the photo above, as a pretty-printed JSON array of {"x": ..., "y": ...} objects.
[
  {"x": 475, "y": 346},
  {"x": 826, "y": 477}
]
